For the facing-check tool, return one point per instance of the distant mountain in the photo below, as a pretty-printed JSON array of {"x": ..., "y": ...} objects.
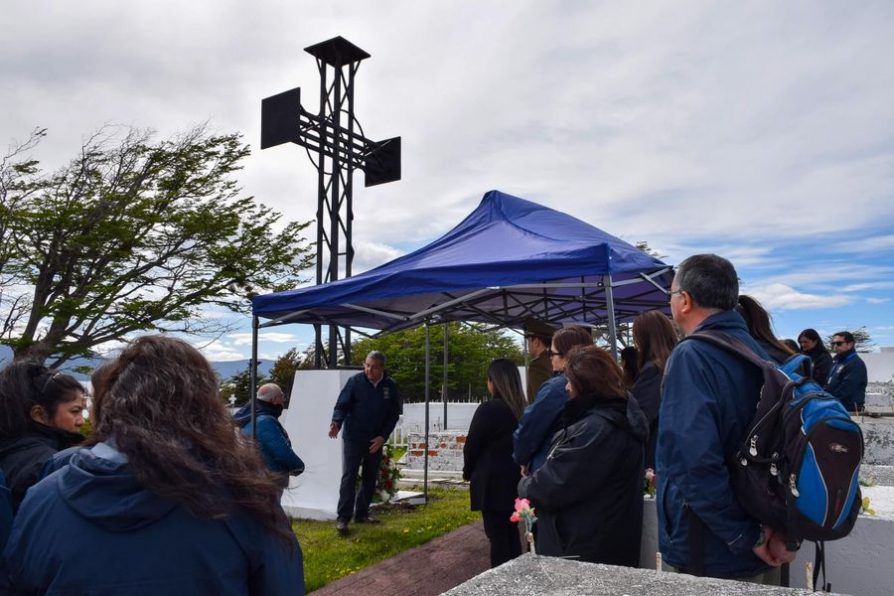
[{"x": 224, "y": 369}]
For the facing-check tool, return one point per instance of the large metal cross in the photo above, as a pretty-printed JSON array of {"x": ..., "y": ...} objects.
[{"x": 337, "y": 148}]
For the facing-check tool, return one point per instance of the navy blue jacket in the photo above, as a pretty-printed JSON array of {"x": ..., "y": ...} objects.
[
  {"x": 540, "y": 422},
  {"x": 272, "y": 438},
  {"x": 91, "y": 528},
  {"x": 708, "y": 399},
  {"x": 847, "y": 381},
  {"x": 5, "y": 512},
  {"x": 366, "y": 411}
]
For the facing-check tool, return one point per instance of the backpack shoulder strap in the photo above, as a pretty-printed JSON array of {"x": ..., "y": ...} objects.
[{"x": 732, "y": 345}]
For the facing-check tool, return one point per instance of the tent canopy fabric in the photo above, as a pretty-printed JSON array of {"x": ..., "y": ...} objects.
[{"x": 508, "y": 260}]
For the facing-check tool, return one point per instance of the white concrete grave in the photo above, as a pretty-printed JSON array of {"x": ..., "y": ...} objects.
[{"x": 314, "y": 494}]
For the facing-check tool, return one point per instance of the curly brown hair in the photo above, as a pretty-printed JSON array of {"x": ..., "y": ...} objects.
[{"x": 158, "y": 403}]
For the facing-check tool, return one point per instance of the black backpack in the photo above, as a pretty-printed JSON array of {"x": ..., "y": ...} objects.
[{"x": 797, "y": 469}]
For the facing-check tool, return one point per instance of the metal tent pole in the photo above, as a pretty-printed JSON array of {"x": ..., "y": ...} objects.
[
  {"x": 427, "y": 383},
  {"x": 444, "y": 381},
  {"x": 610, "y": 305},
  {"x": 253, "y": 374}
]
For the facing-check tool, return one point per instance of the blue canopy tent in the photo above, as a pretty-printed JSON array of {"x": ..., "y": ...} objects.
[{"x": 509, "y": 260}]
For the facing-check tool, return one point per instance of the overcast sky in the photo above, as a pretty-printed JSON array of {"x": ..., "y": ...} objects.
[{"x": 762, "y": 131}]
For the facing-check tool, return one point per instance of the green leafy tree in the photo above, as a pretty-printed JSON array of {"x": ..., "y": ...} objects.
[
  {"x": 239, "y": 385},
  {"x": 469, "y": 353},
  {"x": 284, "y": 368},
  {"x": 134, "y": 235}
]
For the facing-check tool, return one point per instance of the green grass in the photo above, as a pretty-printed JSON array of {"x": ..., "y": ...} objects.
[{"x": 329, "y": 556}]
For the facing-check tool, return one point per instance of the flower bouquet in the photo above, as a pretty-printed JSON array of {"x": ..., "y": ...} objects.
[
  {"x": 649, "y": 482},
  {"x": 389, "y": 474},
  {"x": 524, "y": 512}
]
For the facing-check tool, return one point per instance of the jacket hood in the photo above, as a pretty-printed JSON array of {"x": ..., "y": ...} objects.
[
  {"x": 623, "y": 413},
  {"x": 262, "y": 408},
  {"x": 99, "y": 486},
  {"x": 56, "y": 438}
]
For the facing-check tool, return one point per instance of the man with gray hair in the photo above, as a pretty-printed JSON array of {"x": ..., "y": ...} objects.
[
  {"x": 272, "y": 439},
  {"x": 368, "y": 407},
  {"x": 709, "y": 397}
]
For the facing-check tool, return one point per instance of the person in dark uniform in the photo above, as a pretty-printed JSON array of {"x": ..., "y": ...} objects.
[
  {"x": 368, "y": 407},
  {"x": 538, "y": 336}
]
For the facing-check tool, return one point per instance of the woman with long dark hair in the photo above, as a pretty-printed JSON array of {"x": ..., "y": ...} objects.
[
  {"x": 487, "y": 458},
  {"x": 812, "y": 345},
  {"x": 589, "y": 493},
  {"x": 165, "y": 499},
  {"x": 41, "y": 412},
  {"x": 654, "y": 337},
  {"x": 760, "y": 328}
]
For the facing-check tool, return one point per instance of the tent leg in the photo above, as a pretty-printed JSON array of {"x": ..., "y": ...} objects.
[
  {"x": 444, "y": 382},
  {"x": 253, "y": 374},
  {"x": 610, "y": 307},
  {"x": 427, "y": 383}
]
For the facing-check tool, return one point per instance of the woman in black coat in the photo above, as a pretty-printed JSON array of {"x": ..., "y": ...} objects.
[
  {"x": 41, "y": 412},
  {"x": 488, "y": 465},
  {"x": 654, "y": 337},
  {"x": 812, "y": 345},
  {"x": 589, "y": 493}
]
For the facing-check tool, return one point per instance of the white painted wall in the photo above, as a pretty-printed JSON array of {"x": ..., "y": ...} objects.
[
  {"x": 880, "y": 365},
  {"x": 859, "y": 564},
  {"x": 314, "y": 494}
]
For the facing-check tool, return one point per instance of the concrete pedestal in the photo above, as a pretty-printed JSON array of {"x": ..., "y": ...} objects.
[{"x": 314, "y": 494}]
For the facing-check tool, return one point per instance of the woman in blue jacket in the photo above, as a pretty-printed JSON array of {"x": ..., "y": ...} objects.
[{"x": 166, "y": 498}]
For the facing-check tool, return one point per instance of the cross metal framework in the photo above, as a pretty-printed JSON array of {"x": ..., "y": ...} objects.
[{"x": 336, "y": 145}]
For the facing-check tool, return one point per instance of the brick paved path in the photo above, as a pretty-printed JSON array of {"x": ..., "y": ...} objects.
[{"x": 426, "y": 570}]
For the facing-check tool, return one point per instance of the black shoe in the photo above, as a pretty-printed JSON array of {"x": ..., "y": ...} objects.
[
  {"x": 342, "y": 526},
  {"x": 367, "y": 520}
]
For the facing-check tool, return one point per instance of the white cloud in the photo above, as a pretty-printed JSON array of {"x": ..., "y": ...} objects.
[
  {"x": 877, "y": 300},
  {"x": 690, "y": 125},
  {"x": 276, "y": 337},
  {"x": 870, "y": 244},
  {"x": 782, "y": 297}
]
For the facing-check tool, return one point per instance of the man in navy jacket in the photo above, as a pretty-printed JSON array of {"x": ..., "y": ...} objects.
[
  {"x": 708, "y": 399},
  {"x": 368, "y": 407},
  {"x": 848, "y": 379}
]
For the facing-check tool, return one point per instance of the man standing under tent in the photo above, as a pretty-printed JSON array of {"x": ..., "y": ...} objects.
[
  {"x": 538, "y": 336},
  {"x": 368, "y": 407},
  {"x": 708, "y": 399}
]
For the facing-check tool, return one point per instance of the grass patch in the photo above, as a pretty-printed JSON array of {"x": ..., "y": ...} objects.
[{"x": 328, "y": 556}]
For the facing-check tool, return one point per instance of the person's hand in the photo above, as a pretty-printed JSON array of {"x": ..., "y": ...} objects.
[
  {"x": 333, "y": 430},
  {"x": 778, "y": 549},
  {"x": 773, "y": 551},
  {"x": 524, "y": 470},
  {"x": 376, "y": 444}
]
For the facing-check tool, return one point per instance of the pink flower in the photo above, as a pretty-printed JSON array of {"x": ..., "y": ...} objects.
[
  {"x": 515, "y": 517},
  {"x": 522, "y": 504}
]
